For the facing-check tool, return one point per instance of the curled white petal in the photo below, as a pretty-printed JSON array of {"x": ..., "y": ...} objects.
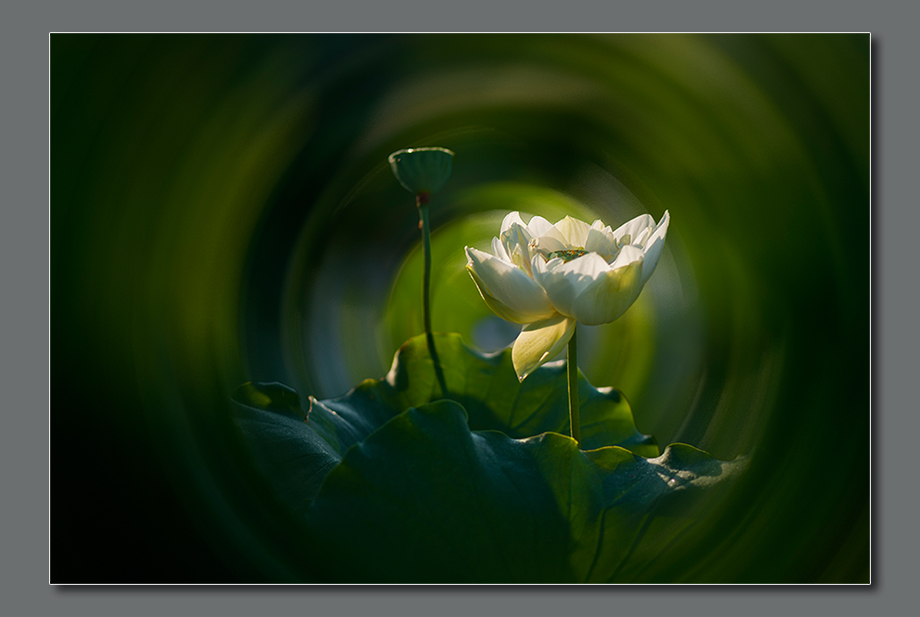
[
  {"x": 539, "y": 342},
  {"x": 609, "y": 295},
  {"x": 551, "y": 240},
  {"x": 654, "y": 246},
  {"x": 499, "y": 251},
  {"x": 563, "y": 281},
  {"x": 507, "y": 289},
  {"x": 510, "y": 219},
  {"x": 628, "y": 254},
  {"x": 601, "y": 243},
  {"x": 538, "y": 226},
  {"x": 548, "y": 243},
  {"x": 634, "y": 228},
  {"x": 574, "y": 232},
  {"x": 516, "y": 243}
]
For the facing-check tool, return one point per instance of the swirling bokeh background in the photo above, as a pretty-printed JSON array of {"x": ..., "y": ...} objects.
[{"x": 222, "y": 211}]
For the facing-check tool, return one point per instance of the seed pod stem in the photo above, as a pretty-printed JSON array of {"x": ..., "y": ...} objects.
[{"x": 422, "y": 203}]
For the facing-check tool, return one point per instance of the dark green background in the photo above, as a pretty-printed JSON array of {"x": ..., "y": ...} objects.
[{"x": 221, "y": 210}]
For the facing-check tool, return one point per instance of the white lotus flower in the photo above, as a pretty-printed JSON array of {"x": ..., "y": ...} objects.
[{"x": 549, "y": 277}]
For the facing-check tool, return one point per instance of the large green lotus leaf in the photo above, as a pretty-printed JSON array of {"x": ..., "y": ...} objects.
[
  {"x": 294, "y": 453},
  {"x": 296, "y": 449},
  {"x": 487, "y": 387},
  {"x": 426, "y": 500}
]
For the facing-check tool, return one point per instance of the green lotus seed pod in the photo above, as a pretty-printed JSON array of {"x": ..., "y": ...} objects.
[{"x": 421, "y": 170}]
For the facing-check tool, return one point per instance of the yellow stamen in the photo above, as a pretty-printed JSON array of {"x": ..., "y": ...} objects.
[{"x": 567, "y": 255}]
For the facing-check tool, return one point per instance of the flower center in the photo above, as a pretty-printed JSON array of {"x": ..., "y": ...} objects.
[{"x": 567, "y": 255}]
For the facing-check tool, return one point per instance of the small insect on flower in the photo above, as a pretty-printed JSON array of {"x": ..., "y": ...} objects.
[{"x": 549, "y": 277}]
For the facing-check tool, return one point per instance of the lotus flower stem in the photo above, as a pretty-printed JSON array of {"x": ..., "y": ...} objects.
[
  {"x": 572, "y": 370},
  {"x": 422, "y": 203}
]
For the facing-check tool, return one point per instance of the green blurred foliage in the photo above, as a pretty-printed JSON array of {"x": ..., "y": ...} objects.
[{"x": 222, "y": 211}]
